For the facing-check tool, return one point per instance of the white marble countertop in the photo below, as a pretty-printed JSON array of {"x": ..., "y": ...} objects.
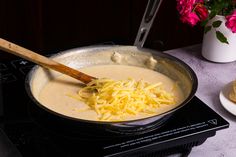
[{"x": 212, "y": 78}]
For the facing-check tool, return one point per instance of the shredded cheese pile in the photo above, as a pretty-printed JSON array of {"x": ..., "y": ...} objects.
[{"x": 115, "y": 100}]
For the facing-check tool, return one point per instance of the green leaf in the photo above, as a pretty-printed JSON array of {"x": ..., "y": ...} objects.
[
  {"x": 206, "y": 29},
  {"x": 212, "y": 14},
  {"x": 203, "y": 23},
  {"x": 216, "y": 24},
  {"x": 220, "y": 36}
]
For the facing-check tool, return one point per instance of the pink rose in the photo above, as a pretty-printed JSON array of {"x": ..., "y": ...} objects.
[
  {"x": 187, "y": 12},
  {"x": 201, "y": 11},
  {"x": 185, "y": 6},
  {"x": 190, "y": 18},
  {"x": 231, "y": 21}
]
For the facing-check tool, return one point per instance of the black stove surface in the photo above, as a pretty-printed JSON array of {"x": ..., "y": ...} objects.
[{"x": 190, "y": 126}]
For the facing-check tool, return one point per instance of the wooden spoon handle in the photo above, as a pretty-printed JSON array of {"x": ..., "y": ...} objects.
[{"x": 43, "y": 61}]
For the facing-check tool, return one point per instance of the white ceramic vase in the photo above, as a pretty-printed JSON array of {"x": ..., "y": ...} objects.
[{"x": 213, "y": 49}]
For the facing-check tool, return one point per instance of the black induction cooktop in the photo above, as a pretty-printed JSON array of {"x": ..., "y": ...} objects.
[{"x": 188, "y": 127}]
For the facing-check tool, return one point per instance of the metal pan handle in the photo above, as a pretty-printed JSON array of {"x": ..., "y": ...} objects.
[{"x": 146, "y": 24}]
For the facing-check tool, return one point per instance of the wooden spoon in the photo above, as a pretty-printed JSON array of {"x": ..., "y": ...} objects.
[{"x": 43, "y": 61}]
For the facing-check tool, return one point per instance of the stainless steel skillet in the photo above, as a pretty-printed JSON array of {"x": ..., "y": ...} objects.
[{"x": 100, "y": 55}]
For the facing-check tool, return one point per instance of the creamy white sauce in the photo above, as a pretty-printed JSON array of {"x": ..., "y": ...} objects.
[
  {"x": 54, "y": 95},
  {"x": 151, "y": 63},
  {"x": 116, "y": 57}
]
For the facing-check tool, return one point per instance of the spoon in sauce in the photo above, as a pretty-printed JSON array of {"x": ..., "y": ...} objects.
[{"x": 43, "y": 61}]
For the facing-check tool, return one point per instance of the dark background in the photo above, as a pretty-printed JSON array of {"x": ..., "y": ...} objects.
[{"x": 50, "y": 26}]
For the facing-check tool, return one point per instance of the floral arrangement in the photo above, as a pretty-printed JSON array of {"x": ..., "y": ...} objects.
[{"x": 202, "y": 11}]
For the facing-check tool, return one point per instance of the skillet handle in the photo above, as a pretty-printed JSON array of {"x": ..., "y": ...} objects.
[{"x": 146, "y": 24}]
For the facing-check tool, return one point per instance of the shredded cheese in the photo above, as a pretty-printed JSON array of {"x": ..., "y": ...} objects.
[{"x": 115, "y": 100}]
